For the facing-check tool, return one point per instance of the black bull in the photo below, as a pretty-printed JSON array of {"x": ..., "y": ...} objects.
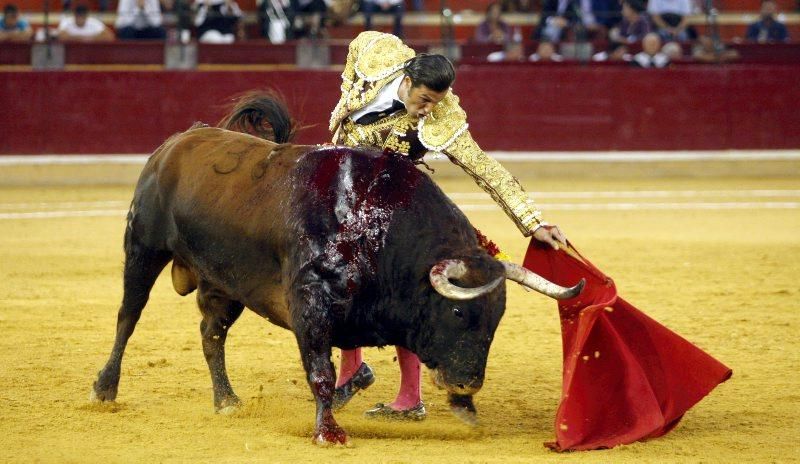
[{"x": 340, "y": 246}]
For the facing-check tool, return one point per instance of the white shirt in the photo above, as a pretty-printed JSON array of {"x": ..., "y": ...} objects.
[
  {"x": 659, "y": 60},
  {"x": 93, "y": 27},
  {"x": 496, "y": 57},
  {"x": 202, "y": 10},
  {"x": 383, "y": 101},
  {"x": 680, "y": 7},
  {"x": 555, "y": 57},
  {"x": 129, "y": 14}
]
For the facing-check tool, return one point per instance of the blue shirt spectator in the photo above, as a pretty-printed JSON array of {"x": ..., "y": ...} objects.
[
  {"x": 768, "y": 29},
  {"x": 12, "y": 27}
]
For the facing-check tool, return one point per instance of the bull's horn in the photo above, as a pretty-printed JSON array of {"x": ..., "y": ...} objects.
[
  {"x": 536, "y": 282},
  {"x": 447, "y": 269}
]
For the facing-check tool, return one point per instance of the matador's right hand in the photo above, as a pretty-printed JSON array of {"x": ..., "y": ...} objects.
[{"x": 551, "y": 235}]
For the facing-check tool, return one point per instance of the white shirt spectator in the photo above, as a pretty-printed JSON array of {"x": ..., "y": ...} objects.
[
  {"x": 679, "y": 7},
  {"x": 496, "y": 57},
  {"x": 659, "y": 60},
  {"x": 555, "y": 57},
  {"x": 231, "y": 9},
  {"x": 129, "y": 13},
  {"x": 93, "y": 27}
]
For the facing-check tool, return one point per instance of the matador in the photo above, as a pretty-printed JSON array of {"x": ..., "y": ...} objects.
[{"x": 393, "y": 98}]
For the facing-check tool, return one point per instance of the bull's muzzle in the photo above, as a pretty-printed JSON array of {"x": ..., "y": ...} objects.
[
  {"x": 458, "y": 397},
  {"x": 447, "y": 269},
  {"x": 466, "y": 387}
]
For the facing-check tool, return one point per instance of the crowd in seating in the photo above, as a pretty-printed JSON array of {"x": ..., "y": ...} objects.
[
  {"x": 647, "y": 33},
  {"x": 656, "y": 27}
]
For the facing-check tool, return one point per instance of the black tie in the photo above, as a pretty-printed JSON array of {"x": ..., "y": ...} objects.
[{"x": 374, "y": 116}]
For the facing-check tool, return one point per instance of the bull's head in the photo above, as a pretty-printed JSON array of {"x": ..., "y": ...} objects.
[{"x": 464, "y": 315}]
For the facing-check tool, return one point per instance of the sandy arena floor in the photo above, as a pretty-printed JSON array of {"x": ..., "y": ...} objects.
[{"x": 715, "y": 260}]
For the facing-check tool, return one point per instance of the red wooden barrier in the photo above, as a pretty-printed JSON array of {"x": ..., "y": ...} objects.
[{"x": 510, "y": 107}]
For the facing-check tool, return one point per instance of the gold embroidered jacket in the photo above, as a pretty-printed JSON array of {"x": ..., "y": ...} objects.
[{"x": 375, "y": 59}]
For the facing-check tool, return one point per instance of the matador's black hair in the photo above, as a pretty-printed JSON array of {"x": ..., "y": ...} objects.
[{"x": 433, "y": 71}]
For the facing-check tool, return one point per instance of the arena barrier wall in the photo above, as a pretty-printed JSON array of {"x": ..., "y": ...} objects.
[{"x": 510, "y": 107}]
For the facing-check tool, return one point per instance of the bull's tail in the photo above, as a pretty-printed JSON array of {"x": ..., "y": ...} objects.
[{"x": 261, "y": 113}]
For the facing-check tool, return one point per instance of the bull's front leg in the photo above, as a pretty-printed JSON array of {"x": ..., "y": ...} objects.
[
  {"x": 312, "y": 327},
  {"x": 322, "y": 379}
]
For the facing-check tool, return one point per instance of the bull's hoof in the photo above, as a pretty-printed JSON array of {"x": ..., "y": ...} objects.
[
  {"x": 384, "y": 411},
  {"x": 331, "y": 436},
  {"x": 228, "y": 406},
  {"x": 463, "y": 408},
  {"x": 362, "y": 379},
  {"x": 100, "y": 395}
]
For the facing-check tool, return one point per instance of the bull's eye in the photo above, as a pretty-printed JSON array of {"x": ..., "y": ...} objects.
[{"x": 458, "y": 313}]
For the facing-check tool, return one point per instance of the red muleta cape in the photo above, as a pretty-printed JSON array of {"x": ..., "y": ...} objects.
[{"x": 626, "y": 377}]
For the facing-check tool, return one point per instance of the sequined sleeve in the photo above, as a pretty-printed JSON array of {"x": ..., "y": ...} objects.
[{"x": 492, "y": 177}]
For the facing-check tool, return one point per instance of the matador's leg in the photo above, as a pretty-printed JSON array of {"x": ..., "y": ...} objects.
[{"x": 354, "y": 375}]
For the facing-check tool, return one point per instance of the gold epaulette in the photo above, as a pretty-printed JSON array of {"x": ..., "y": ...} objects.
[
  {"x": 441, "y": 128},
  {"x": 373, "y": 60},
  {"x": 382, "y": 56}
]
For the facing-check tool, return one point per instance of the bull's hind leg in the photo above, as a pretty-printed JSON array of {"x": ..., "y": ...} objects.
[
  {"x": 219, "y": 314},
  {"x": 142, "y": 267}
]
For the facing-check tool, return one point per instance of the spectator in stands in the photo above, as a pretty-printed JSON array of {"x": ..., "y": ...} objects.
[
  {"x": 217, "y": 21},
  {"x": 651, "y": 55},
  {"x": 546, "y": 52},
  {"x": 84, "y": 28},
  {"x": 673, "y": 50},
  {"x": 704, "y": 50},
  {"x": 572, "y": 20},
  {"x": 607, "y": 13},
  {"x": 768, "y": 28},
  {"x": 616, "y": 51},
  {"x": 393, "y": 7},
  {"x": 306, "y": 18},
  {"x": 139, "y": 19},
  {"x": 12, "y": 27},
  {"x": 671, "y": 19},
  {"x": 512, "y": 52},
  {"x": 635, "y": 23},
  {"x": 181, "y": 12},
  {"x": 493, "y": 29}
]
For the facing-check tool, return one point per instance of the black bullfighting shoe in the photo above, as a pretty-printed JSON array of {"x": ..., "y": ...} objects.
[
  {"x": 362, "y": 379},
  {"x": 384, "y": 411}
]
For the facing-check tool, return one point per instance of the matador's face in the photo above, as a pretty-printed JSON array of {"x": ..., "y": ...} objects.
[{"x": 419, "y": 100}]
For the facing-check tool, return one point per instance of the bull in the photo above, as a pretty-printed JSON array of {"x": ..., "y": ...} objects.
[{"x": 344, "y": 247}]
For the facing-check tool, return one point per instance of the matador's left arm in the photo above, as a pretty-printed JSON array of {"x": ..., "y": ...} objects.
[
  {"x": 492, "y": 177},
  {"x": 445, "y": 131}
]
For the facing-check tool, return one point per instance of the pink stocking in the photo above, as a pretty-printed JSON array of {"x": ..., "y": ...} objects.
[
  {"x": 351, "y": 361},
  {"x": 410, "y": 393}
]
